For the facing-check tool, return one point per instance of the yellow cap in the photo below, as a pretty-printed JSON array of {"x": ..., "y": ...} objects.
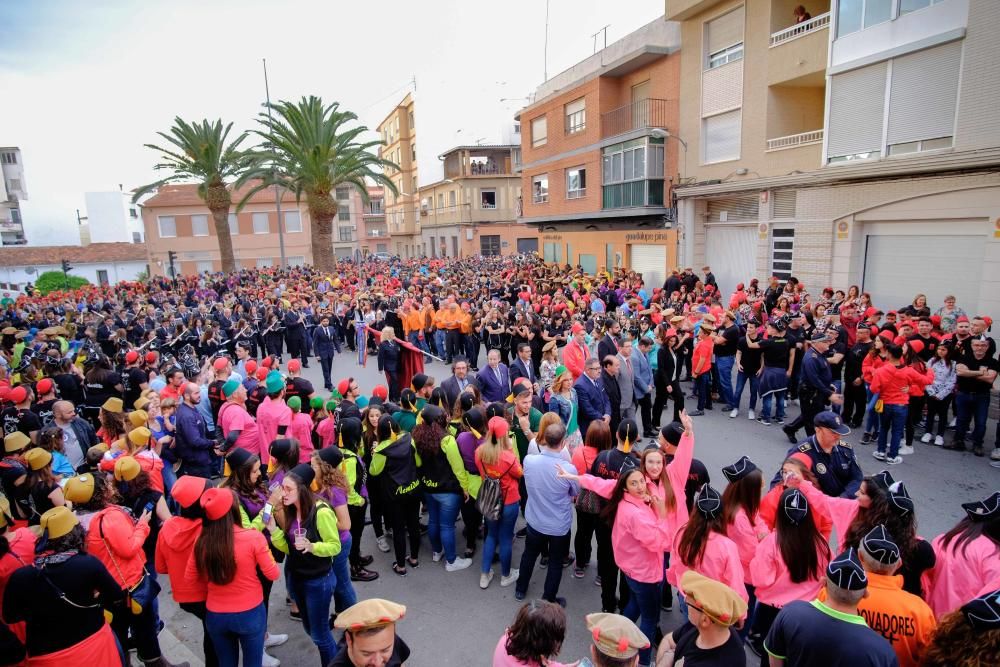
[
  {"x": 370, "y": 613},
  {"x": 113, "y": 405},
  {"x": 140, "y": 436},
  {"x": 15, "y": 442},
  {"x": 37, "y": 458},
  {"x": 713, "y": 598},
  {"x": 140, "y": 403},
  {"x": 138, "y": 417},
  {"x": 126, "y": 469},
  {"x": 5, "y": 517},
  {"x": 615, "y": 636},
  {"x": 58, "y": 521},
  {"x": 80, "y": 488}
]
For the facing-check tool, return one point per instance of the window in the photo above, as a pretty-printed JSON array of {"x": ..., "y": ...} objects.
[
  {"x": 204, "y": 266},
  {"x": 576, "y": 183},
  {"x": 622, "y": 162},
  {"x": 132, "y": 213},
  {"x": 412, "y": 124},
  {"x": 433, "y": 248},
  {"x": 136, "y": 237},
  {"x": 261, "y": 224},
  {"x": 414, "y": 184},
  {"x": 540, "y": 189},
  {"x": 343, "y": 192},
  {"x": 720, "y": 136},
  {"x": 907, "y": 6},
  {"x": 344, "y": 234},
  {"x": 413, "y": 152},
  {"x": 576, "y": 116},
  {"x": 15, "y": 186},
  {"x": 724, "y": 39},
  {"x": 344, "y": 213},
  {"x": 9, "y": 157},
  {"x": 489, "y": 245},
  {"x": 199, "y": 225},
  {"x": 296, "y": 260},
  {"x": 782, "y": 245},
  {"x": 539, "y": 132},
  {"x": 167, "y": 227},
  {"x": 381, "y": 247},
  {"x": 920, "y": 146},
  {"x": 234, "y": 225},
  {"x": 102, "y": 276},
  {"x": 265, "y": 262},
  {"x": 451, "y": 198},
  {"x": 293, "y": 221},
  {"x": 440, "y": 200},
  {"x": 854, "y": 15},
  {"x": 725, "y": 56},
  {"x": 487, "y": 198}
]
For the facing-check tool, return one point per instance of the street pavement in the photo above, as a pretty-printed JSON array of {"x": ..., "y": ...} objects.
[{"x": 450, "y": 621}]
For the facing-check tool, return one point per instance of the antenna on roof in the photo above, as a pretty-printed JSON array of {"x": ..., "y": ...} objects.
[{"x": 605, "y": 31}]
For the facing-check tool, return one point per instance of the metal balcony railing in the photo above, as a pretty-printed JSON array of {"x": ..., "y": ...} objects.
[
  {"x": 795, "y": 140},
  {"x": 636, "y": 116},
  {"x": 799, "y": 29}
]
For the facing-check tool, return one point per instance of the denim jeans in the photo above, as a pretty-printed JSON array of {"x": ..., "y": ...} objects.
[
  {"x": 644, "y": 605},
  {"x": 169, "y": 479},
  {"x": 313, "y": 596},
  {"x": 233, "y": 632},
  {"x": 725, "y": 366},
  {"x": 703, "y": 385},
  {"x": 892, "y": 427},
  {"x": 500, "y": 533},
  {"x": 741, "y": 381},
  {"x": 343, "y": 593},
  {"x": 974, "y": 408},
  {"x": 440, "y": 340},
  {"x": 421, "y": 344},
  {"x": 779, "y": 409},
  {"x": 442, "y": 512},
  {"x": 872, "y": 422},
  {"x": 535, "y": 543}
]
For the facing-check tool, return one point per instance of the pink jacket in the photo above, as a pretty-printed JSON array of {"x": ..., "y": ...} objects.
[
  {"x": 638, "y": 538},
  {"x": 842, "y": 511},
  {"x": 747, "y": 536},
  {"x": 770, "y": 575},
  {"x": 301, "y": 430},
  {"x": 957, "y": 578},
  {"x": 720, "y": 562}
]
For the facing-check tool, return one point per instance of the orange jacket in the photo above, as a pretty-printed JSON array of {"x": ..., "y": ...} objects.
[
  {"x": 440, "y": 319},
  {"x": 120, "y": 548},
  {"x": 413, "y": 322},
  {"x": 465, "y": 323}
]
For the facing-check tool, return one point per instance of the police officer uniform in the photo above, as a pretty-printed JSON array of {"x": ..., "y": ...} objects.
[
  {"x": 815, "y": 389},
  {"x": 837, "y": 472}
]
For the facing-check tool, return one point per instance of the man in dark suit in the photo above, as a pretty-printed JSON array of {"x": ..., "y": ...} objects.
[
  {"x": 610, "y": 367},
  {"x": 324, "y": 343},
  {"x": 459, "y": 380},
  {"x": 294, "y": 322},
  {"x": 592, "y": 400},
  {"x": 522, "y": 367},
  {"x": 494, "y": 380},
  {"x": 608, "y": 346}
]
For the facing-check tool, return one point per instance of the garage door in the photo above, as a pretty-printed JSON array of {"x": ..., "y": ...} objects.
[
  {"x": 651, "y": 262},
  {"x": 898, "y": 267},
  {"x": 731, "y": 252},
  {"x": 343, "y": 253},
  {"x": 527, "y": 245}
]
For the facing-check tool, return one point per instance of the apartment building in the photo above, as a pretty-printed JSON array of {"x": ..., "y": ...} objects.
[
  {"x": 175, "y": 218},
  {"x": 598, "y": 162},
  {"x": 858, "y": 145},
  {"x": 399, "y": 137},
  {"x": 111, "y": 218},
  {"x": 12, "y": 191},
  {"x": 473, "y": 209},
  {"x": 349, "y": 226},
  {"x": 374, "y": 232}
]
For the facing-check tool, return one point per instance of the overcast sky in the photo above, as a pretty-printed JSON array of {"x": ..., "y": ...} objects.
[{"x": 85, "y": 84}]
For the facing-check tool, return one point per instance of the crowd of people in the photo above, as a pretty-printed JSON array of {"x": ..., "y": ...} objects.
[{"x": 164, "y": 430}]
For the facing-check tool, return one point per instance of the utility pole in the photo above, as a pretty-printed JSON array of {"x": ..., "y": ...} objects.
[
  {"x": 545, "y": 59},
  {"x": 66, "y": 269},
  {"x": 277, "y": 190}
]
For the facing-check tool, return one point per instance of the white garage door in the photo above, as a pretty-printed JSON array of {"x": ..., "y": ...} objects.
[
  {"x": 899, "y": 267},
  {"x": 651, "y": 262},
  {"x": 731, "y": 252}
]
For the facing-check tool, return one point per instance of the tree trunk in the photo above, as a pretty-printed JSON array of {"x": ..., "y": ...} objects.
[
  {"x": 220, "y": 217},
  {"x": 322, "y": 209}
]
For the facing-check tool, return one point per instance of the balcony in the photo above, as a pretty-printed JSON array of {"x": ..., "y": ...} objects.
[
  {"x": 465, "y": 214},
  {"x": 799, "y": 51},
  {"x": 478, "y": 162},
  {"x": 795, "y": 140},
  {"x": 800, "y": 29},
  {"x": 632, "y": 194},
  {"x": 641, "y": 115},
  {"x": 377, "y": 233}
]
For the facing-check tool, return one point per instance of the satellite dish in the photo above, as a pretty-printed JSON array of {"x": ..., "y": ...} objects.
[{"x": 30, "y": 270}]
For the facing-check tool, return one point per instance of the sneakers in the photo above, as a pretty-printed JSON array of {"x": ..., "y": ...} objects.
[
  {"x": 995, "y": 457},
  {"x": 735, "y": 412},
  {"x": 696, "y": 413},
  {"x": 506, "y": 581},
  {"x": 750, "y": 415},
  {"x": 518, "y": 595},
  {"x": 780, "y": 421},
  {"x": 764, "y": 420},
  {"x": 457, "y": 564},
  {"x": 436, "y": 556},
  {"x": 866, "y": 438},
  {"x": 484, "y": 579},
  {"x": 894, "y": 460},
  {"x": 579, "y": 573},
  {"x": 597, "y": 581},
  {"x": 906, "y": 450},
  {"x": 927, "y": 438},
  {"x": 274, "y": 639},
  {"x": 879, "y": 456},
  {"x": 269, "y": 661},
  {"x": 939, "y": 441},
  {"x": 790, "y": 434},
  {"x": 382, "y": 544},
  {"x": 977, "y": 450}
]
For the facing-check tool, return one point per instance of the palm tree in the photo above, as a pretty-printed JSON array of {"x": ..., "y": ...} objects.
[
  {"x": 309, "y": 150},
  {"x": 201, "y": 152}
]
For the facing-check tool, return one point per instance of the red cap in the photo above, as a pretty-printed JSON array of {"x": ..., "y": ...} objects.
[
  {"x": 936, "y": 320},
  {"x": 131, "y": 357},
  {"x": 18, "y": 394},
  {"x": 262, "y": 373},
  {"x": 916, "y": 345},
  {"x": 886, "y": 335},
  {"x": 4, "y": 393},
  {"x": 188, "y": 489},
  {"x": 380, "y": 391},
  {"x": 151, "y": 357},
  {"x": 216, "y": 502},
  {"x": 891, "y": 312},
  {"x": 344, "y": 386},
  {"x": 576, "y": 328},
  {"x": 961, "y": 318},
  {"x": 267, "y": 362},
  {"x": 43, "y": 387},
  {"x": 220, "y": 364},
  {"x": 498, "y": 426},
  {"x": 294, "y": 366},
  {"x": 988, "y": 320},
  {"x": 802, "y": 458},
  {"x": 251, "y": 366},
  {"x": 898, "y": 340}
]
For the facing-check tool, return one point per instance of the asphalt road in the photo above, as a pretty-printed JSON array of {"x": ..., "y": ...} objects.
[{"x": 450, "y": 621}]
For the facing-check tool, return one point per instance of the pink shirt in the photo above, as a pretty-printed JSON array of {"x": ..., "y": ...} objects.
[
  {"x": 301, "y": 430},
  {"x": 747, "y": 535},
  {"x": 769, "y": 574},
  {"x": 502, "y": 659},
  {"x": 957, "y": 578},
  {"x": 327, "y": 433},
  {"x": 234, "y": 417},
  {"x": 271, "y": 415},
  {"x": 842, "y": 511},
  {"x": 721, "y": 562}
]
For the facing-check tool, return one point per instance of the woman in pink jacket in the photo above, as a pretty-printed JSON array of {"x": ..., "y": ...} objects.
[
  {"x": 790, "y": 564},
  {"x": 968, "y": 557},
  {"x": 744, "y": 526}
]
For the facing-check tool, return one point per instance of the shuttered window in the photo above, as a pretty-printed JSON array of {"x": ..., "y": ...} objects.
[
  {"x": 576, "y": 116},
  {"x": 744, "y": 208},
  {"x": 720, "y": 137},
  {"x": 721, "y": 35},
  {"x": 784, "y": 203},
  {"x": 923, "y": 94},
  {"x": 782, "y": 249},
  {"x": 857, "y": 105},
  {"x": 539, "y": 132}
]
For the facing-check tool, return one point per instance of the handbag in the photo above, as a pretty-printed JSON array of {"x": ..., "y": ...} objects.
[
  {"x": 144, "y": 592},
  {"x": 587, "y": 501},
  {"x": 489, "y": 501}
]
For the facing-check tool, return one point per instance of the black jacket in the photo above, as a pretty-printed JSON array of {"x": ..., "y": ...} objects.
[
  {"x": 388, "y": 356},
  {"x": 615, "y": 396}
]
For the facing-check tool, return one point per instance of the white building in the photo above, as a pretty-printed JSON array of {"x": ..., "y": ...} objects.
[
  {"x": 111, "y": 218},
  {"x": 12, "y": 191},
  {"x": 100, "y": 263}
]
